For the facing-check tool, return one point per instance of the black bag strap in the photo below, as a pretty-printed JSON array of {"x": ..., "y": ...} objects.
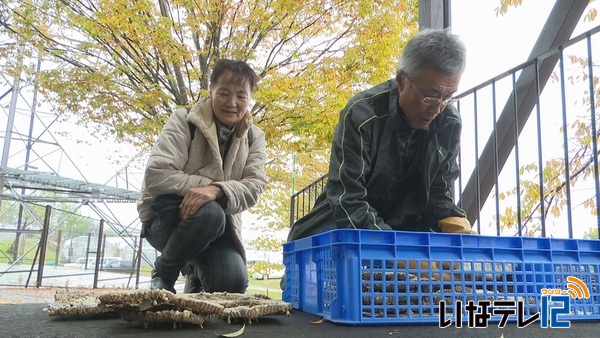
[
  {"x": 250, "y": 137},
  {"x": 191, "y": 125},
  {"x": 193, "y": 130}
]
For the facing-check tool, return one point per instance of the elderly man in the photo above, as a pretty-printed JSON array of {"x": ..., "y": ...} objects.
[{"x": 394, "y": 154}]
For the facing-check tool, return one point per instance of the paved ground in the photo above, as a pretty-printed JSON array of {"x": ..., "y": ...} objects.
[
  {"x": 16, "y": 295},
  {"x": 22, "y": 315},
  {"x": 63, "y": 277}
]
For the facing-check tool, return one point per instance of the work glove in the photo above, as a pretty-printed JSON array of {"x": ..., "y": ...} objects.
[{"x": 455, "y": 224}]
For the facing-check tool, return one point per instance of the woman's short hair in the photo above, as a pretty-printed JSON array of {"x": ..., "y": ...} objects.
[{"x": 239, "y": 70}]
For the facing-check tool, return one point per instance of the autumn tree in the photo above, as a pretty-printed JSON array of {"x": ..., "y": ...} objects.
[
  {"x": 592, "y": 233},
  {"x": 121, "y": 67}
]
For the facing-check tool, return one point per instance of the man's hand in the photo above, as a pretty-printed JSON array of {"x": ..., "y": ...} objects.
[{"x": 195, "y": 198}]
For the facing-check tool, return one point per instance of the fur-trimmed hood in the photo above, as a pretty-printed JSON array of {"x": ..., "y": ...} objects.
[{"x": 202, "y": 116}]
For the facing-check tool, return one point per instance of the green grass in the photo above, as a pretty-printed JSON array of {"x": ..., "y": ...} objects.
[
  {"x": 27, "y": 242},
  {"x": 145, "y": 270},
  {"x": 269, "y": 288}
]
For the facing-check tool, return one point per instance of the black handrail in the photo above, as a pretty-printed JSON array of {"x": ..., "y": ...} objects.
[{"x": 303, "y": 201}]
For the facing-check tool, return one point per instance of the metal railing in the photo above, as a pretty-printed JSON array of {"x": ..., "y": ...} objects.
[
  {"x": 541, "y": 142},
  {"x": 59, "y": 248},
  {"x": 304, "y": 200}
]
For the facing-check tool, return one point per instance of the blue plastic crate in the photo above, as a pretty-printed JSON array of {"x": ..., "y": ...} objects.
[{"x": 392, "y": 277}]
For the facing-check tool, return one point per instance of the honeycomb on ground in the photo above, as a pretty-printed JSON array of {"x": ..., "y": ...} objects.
[{"x": 159, "y": 306}]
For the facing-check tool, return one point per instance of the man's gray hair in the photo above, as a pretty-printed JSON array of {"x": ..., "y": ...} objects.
[{"x": 435, "y": 48}]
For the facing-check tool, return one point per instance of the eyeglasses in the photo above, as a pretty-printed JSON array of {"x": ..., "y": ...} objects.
[{"x": 431, "y": 101}]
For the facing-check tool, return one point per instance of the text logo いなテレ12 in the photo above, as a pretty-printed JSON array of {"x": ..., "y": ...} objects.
[
  {"x": 553, "y": 298},
  {"x": 553, "y": 304}
]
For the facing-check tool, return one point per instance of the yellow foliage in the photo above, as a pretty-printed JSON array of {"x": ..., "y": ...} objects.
[
  {"x": 126, "y": 65},
  {"x": 505, "y": 4},
  {"x": 591, "y": 15}
]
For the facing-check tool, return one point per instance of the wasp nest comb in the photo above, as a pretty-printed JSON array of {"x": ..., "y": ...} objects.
[{"x": 159, "y": 306}]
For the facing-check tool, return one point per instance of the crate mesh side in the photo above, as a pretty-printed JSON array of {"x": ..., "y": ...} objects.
[
  {"x": 402, "y": 283},
  {"x": 412, "y": 289},
  {"x": 327, "y": 278},
  {"x": 291, "y": 293}
]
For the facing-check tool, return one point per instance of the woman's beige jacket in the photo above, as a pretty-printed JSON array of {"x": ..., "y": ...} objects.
[{"x": 179, "y": 162}]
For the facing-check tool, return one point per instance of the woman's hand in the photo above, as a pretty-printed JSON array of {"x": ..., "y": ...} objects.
[
  {"x": 195, "y": 198},
  {"x": 248, "y": 118}
]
